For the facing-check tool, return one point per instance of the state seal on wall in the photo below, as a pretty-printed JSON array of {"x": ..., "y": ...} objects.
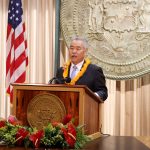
[{"x": 118, "y": 32}]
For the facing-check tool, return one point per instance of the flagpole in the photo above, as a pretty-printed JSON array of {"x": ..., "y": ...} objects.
[{"x": 57, "y": 36}]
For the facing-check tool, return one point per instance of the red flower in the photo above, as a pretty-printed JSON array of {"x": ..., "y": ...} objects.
[
  {"x": 70, "y": 135},
  {"x": 55, "y": 124},
  {"x": 2, "y": 123},
  {"x": 36, "y": 137},
  {"x": 67, "y": 119},
  {"x": 13, "y": 120},
  {"x": 21, "y": 135}
]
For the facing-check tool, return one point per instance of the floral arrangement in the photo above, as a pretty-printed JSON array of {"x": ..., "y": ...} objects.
[{"x": 54, "y": 135}]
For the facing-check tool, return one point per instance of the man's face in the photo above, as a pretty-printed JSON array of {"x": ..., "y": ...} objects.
[{"x": 77, "y": 51}]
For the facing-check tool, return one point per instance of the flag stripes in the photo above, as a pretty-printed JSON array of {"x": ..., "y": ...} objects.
[{"x": 17, "y": 55}]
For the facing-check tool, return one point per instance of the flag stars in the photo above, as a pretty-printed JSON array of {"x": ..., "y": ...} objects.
[
  {"x": 17, "y": 11},
  {"x": 17, "y": 4}
]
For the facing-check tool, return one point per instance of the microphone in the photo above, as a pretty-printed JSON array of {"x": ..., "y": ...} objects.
[
  {"x": 51, "y": 80},
  {"x": 60, "y": 80}
]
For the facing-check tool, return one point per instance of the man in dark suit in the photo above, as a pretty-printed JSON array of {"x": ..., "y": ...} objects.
[{"x": 81, "y": 71}]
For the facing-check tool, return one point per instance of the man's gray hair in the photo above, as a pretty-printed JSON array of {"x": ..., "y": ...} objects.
[{"x": 84, "y": 40}]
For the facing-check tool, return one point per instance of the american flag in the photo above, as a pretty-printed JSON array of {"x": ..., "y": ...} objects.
[{"x": 17, "y": 56}]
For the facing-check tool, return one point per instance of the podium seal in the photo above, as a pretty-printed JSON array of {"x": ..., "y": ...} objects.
[{"x": 45, "y": 108}]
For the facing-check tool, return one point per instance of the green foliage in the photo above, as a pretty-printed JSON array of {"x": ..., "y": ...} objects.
[
  {"x": 53, "y": 137},
  {"x": 82, "y": 139},
  {"x": 9, "y": 135}
]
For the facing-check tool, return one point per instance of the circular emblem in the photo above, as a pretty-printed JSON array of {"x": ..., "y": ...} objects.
[
  {"x": 118, "y": 33},
  {"x": 45, "y": 108}
]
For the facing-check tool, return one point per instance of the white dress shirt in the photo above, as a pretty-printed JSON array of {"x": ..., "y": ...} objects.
[{"x": 79, "y": 66}]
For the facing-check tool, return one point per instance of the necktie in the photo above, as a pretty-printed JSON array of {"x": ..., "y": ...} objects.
[{"x": 73, "y": 74}]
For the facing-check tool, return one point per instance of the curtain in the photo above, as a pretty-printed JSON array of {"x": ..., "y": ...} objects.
[
  {"x": 4, "y": 102},
  {"x": 127, "y": 109}
]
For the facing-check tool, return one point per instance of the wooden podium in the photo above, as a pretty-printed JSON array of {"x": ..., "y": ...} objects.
[{"x": 78, "y": 100}]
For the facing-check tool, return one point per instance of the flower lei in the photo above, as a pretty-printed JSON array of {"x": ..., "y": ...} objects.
[{"x": 80, "y": 73}]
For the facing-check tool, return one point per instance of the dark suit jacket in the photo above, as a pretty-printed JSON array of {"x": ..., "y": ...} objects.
[{"x": 93, "y": 78}]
